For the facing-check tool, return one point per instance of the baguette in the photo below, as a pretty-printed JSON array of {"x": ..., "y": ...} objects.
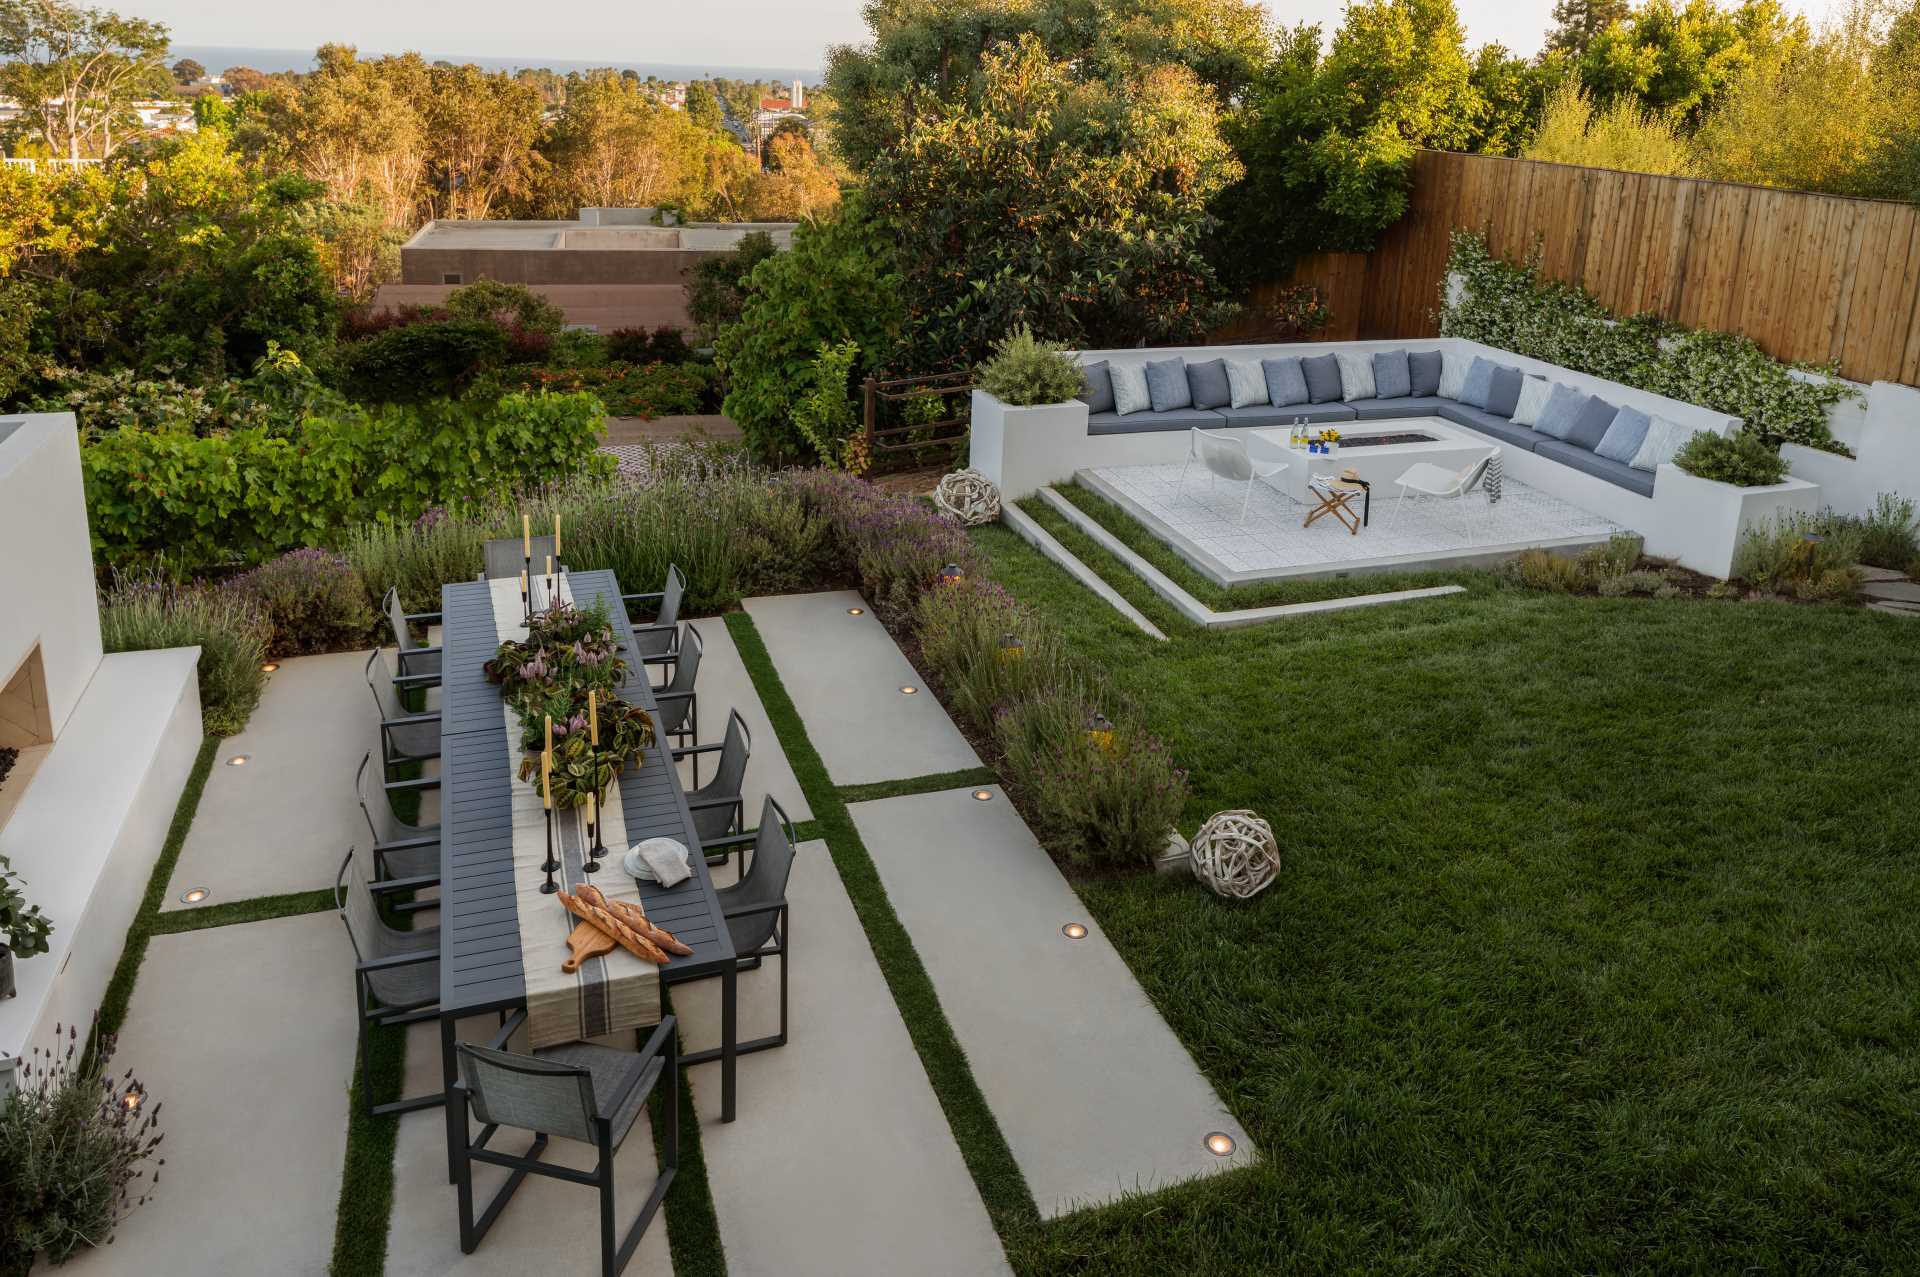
[
  {"x": 634, "y": 915},
  {"x": 626, "y": 937}
]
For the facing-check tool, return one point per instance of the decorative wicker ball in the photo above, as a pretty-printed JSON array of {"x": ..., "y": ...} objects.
[
  {"x": 1235, "y": 854},
  {"x": 968, "y": 496}
]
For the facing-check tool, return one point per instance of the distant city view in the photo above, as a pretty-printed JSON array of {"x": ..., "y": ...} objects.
[{"x": 217, "y": 58}]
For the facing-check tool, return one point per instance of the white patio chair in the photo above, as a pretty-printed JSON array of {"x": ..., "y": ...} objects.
[
  {"x": 1428, "y": 480},
  {"x": 1227, "y": 458}
]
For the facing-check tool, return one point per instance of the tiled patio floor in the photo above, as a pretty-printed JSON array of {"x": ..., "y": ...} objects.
[{"x": 1202, "y": 523}]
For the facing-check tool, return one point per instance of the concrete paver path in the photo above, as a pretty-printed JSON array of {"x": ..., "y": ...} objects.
[
  {"x": 724, "y": 685},
  {"x": 1094, "y": 1093},
  {"x": 844, "y": 675}
]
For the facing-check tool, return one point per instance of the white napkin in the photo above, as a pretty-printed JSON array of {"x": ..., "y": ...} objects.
[{"x": 667, "y": 858}]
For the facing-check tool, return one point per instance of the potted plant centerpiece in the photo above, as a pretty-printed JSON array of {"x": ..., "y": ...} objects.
[{"x": 23, "y": 928}]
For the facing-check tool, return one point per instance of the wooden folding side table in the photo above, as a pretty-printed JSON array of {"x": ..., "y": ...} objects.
[{"x": 1336, "y": 497}]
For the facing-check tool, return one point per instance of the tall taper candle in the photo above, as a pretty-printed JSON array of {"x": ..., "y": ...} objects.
[
  {"x": 549, "y": 749},
  {"x": 593, "y": 716},
  {"x": 556, "y": 536},
  {"x": 546, "y": 779},
  {"x": 526, "y": 536}
]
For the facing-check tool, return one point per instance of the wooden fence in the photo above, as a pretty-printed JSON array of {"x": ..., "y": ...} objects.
[{"x": 1808, "y": 277}]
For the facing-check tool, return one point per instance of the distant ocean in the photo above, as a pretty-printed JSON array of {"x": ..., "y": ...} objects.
[{"x": 218, "y": 58}]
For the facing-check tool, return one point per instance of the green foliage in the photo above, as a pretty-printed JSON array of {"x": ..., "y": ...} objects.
[
  {"x": 23, "y": 928},
  {"x": 1620, "y": 135},
  {"x": 506, "y": 305},
  {"x": 244, "y": 495},
  {"x": 1676, "y": 57},
  {"x": 624, "y": 390},
  {"x": 824, "y": 416},
  {"x": 1611, "y": 569},
  {"x": 838, "y": 282},
  {"x": 281, "y": 392},
  {"x": 419, "y": 362},
  {"x": 17, "y": 364},
  {"x": 703, "y": 105},
  {"x": 312, "y": 601},
  {"x": 1889, "y": 534},
  {"x": 967, "y": 636},
  {"x": 1514, "y": 307},
  {"x": 1509, "y": 95},
  {"x": 1024, "y": 370},
  {"x": 143, "y": 611},
  {"x": 1794, "y": 555},
  {"x": 716, "y": 286},
  {"x": 1741, "y": 459},
  {"x": 1077, "y": 207}
]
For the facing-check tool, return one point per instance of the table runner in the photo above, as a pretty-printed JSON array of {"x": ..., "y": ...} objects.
[{"x": 606, "y": 995}]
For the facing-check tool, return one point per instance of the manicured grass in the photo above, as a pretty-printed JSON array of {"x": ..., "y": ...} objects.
[
  {"x": 918, "y": 785},
  {"x": 1592, "y": 951},
  {"x": 259, "y": 909},
  {"x": 366, "y": 1177}
]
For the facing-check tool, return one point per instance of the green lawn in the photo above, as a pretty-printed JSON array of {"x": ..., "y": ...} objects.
[{"x": 1594, "y": 948}]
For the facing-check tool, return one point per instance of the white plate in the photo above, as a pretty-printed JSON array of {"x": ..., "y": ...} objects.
[{"x": 634, "y": 865}]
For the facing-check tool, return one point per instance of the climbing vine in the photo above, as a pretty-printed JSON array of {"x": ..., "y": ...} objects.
[{"x": 1510, "y": 305}]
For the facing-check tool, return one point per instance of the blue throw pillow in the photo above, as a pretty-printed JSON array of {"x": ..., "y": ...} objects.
[
  {"x": 1423, "y": 368},
  {"x": 1624, "y": 436},
  {"x": 1392, "y": 378},
  {"x": 1503, "y": 396},
  {"x": 1286, "y": 380},
  {"x": 1590, "y": 427},
  {"x": 1097, "y": 392},
  {"x": 1479, "y": 382},
  {"x": 1208, "y": 383},
  {"x": 1563, "y": 405},
  {"x": 1323, "y": 378},
  {"x": 1167, "y": 384}
]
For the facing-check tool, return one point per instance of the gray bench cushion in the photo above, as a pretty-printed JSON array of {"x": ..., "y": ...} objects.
[
  {"x": 1617, "y": 473},
  {"x": 1402, "y": 406},
  {"x": 1140, "y": 423},
  {"x": 1499, "y": 427},
  {"x": 1286, "y": 415}
]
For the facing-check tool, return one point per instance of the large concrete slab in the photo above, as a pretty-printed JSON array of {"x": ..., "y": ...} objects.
[
  {"x": 1092, "y": 1090},
  {"x": 725, "y": 686},
  {"x": 841, "y": 1161},
  {"x": 844, "y": 675},
  {"x": 245, "y": 1034},
  {"x": 281, "y": 821},
  {"x": 549, "y": 1226}
]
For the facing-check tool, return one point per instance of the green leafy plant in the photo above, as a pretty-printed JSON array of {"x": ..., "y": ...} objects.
[
  {"x": 424, "y": 361},
  {"x": 1741, "y": 459},
  {"x": 1889, "y": 534},
  {"x": 23, "y": 928},
  {"x": 824, "y": 416},
  {"x": 312, "y": 600},
  {"x": 506, "y": 306},
  {"x": 1514, "y": 307},
  {"x": 623, "y": 389},
  {"x": 141, "y": 611},
  {"x": 987, "y": 649},
  {"x": 1024, "y": 370},
  {"x": 1791, "y": 555}
]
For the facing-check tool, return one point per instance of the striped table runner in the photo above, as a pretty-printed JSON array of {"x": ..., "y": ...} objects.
[{"x": 606, "y": 995}]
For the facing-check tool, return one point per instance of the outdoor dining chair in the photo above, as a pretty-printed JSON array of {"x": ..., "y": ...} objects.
[
  {"x": 404, "y": 736},
  {"x": 506, "y": 557},
  {"x": 576, "y": 1091},
  {"x": 396, "y": 976},
  {"x": 1226, "y": 457},
  {"x": 1438, "y": 483},
  {"x": 756, "y": 910},
  {"x": 679, "y": 714},
  {"x": 419, "y": 664},
  {"x": 406, "y": 855},
  {"x": 717, "y": 806},
  {"x": 659, "y": 641}
]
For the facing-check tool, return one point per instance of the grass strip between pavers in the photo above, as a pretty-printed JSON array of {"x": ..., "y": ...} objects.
[
  {"x": 258, "y": 909},
  {"x": 965, "y": 778},
  {"x": 1002, "y": 1187}
]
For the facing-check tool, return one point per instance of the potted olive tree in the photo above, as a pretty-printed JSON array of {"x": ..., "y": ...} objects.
[{"x": 23, "y": 928}]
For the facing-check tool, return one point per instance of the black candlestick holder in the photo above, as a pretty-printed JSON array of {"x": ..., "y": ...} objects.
[
  {"x": 598, "y": 848},
  {"x": 552, "y": 864}
]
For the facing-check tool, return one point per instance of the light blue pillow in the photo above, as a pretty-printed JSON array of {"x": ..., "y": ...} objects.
[
  {"x": 1167, "y": 384},
  {"x": 1286, "y": 380},
  {"x": 1479, "y": 383},
  {"x": 1392, "y": 375},
  {"x": 1562, "y": 411},
  {"x": 1624, "y": 436}
]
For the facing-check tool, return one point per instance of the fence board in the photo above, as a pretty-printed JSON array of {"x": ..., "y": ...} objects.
[{"x": 1809, "y": 277}]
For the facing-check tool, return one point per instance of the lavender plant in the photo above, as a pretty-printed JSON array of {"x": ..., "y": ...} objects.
[{"x": 312, "y": 600}]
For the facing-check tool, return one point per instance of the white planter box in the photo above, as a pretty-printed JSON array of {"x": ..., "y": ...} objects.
[
  {"x": 1024, "y": 449},
  {"x": 1697, "y": 522}
]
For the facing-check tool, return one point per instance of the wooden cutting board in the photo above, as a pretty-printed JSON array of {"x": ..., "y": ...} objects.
[{"x": 586, "y": 941}]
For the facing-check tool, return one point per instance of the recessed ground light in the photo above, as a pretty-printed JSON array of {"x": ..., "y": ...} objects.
[
  {"x": 270, "y": 667},
  {"x": 983, "y": 795},
  {"x": 131, "y": 1100},
  {"x": 1074, "y": 931},
  {"x": 1219, "y": 1143},
  {"x": 908, "y": 691},
  {"x": 193, "y": 895},
  {"x": 239, "y": 760},
  {"x": 856, "y": 611}
]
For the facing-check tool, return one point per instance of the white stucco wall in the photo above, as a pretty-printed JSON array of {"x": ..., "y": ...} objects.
[{"x": 46, "y": 574}]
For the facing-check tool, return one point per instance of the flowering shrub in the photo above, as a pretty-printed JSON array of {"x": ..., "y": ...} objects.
[
  {"x": 987, "y": 648},
  {"x": 71, "y": 1152},
  {"x": 140, "y": 612},
  {"x": 312, "y": 601},
  {"x": 897, "y": 544},
  {"x": 1096, "y": 802}
]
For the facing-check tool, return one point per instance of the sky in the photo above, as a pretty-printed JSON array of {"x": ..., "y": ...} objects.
[{"x": 709, "y": 32}]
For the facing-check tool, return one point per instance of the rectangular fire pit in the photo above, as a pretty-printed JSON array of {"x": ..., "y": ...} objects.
[{"x": 1378, "y": 455}]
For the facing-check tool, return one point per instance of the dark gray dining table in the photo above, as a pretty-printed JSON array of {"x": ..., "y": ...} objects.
[{"x": 480, "y": 966}]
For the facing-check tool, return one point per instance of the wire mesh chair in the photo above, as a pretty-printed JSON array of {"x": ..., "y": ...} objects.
[
  {"x": 659, "y": 642},
  {"x": 404, "y": 736},
  {"x": 506, "y": 557},
  {"x": 419, "y": 664},
  {"x": 679, "y": 713},
  {"x": 717, "y": 806},
  {"x": 576, "y": 1091},
  {"x": 756, "y": 911},
  {"x": 406, "y": 855},
  {"x": 396, "y": 976}
]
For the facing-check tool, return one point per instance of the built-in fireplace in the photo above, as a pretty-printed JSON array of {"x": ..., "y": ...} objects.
[{"x": 26, "y": 729}]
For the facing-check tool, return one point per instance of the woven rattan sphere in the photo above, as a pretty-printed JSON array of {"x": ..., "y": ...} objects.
[
  {"x": 968, "y": 496},
  {"x": 1235, "y": 854}
]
